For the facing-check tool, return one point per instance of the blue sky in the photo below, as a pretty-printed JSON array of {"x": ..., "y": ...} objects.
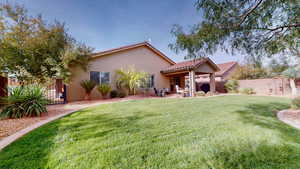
[{"x": 106, "y": 24}]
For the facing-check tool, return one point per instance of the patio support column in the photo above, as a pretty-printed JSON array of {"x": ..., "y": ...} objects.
[
  {"x": 212, "y": 82},
  {"x": 192, "y": 83}
]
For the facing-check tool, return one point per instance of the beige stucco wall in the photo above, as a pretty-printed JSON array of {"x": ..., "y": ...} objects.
[
  {"x": 205, "y": 68},
  {"x": 141, "y": 58},
  {"x": 267, "y": 86}
]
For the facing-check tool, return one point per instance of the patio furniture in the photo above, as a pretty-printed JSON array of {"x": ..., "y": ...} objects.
[
  {"x": 160, "y": 92},
  {"x": 179, "y": 90}
]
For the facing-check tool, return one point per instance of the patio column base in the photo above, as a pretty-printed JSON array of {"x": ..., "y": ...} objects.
[{"x": 212, "y": 82}]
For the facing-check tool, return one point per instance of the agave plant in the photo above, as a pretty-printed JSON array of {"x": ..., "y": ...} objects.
[
  {"x": 104, "y": 89},
  {"x": 25, "y": 101},
  {"x": 88, "y": 86},
  {"x": 130, "y": 79}
]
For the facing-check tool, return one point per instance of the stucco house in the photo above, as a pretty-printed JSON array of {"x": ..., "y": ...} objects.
[
  {"x": 163, "y": 71},
  {"x": 226, "y": 72}
]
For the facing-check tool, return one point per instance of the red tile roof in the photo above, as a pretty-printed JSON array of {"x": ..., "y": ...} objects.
[
  {"x": 128, "y": 47},
  {"x": 225, "y": 67},
  {"x": 187, "y": 65}
]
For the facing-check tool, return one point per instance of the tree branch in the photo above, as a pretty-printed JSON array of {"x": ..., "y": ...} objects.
[{"x": 245, "y": 15}]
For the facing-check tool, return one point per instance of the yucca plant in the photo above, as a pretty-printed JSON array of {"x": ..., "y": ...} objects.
[
  {"x": 25, "y": 101},
  {"x": 130, "y": 79},
  {"x": 88, "y": 86},
  {"x": 104, "y": 89}
]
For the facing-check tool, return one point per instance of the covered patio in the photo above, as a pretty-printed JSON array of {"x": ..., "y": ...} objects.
[{"x": 183, "y": 74}]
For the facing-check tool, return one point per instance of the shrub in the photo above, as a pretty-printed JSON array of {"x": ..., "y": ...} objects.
[
  {"x": 122, "y": 94},
  {"x": 295, "y": 103},
  {"x": 113, "y": 94},
  {"x": 232, "y": 86},
  {"x": 26, "y": 101},
  {"x": 209, "y": 94},
  {"x": 200, "y": 93},
  {"x": 104, "y": 89},
  {"x": 88, "y": 86},
  {"x": 247, "y": 91}
]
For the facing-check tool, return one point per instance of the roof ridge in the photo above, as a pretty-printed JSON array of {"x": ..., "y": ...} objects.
[
  {"x": 128, "y": 47},
  {"x": 121, "y": 47}
]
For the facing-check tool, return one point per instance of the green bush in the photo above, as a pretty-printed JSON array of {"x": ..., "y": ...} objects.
[
  {"x": 295, "y": 103},
  {"x": 122, "y": 94},
  {"x": 232, "y": 86},
  {"x": 26, "y": 101},
  {"x": 113, "y": 94},
  {"x": 104, "y": 89},
  {"x": 209, "y": 94},
  {"x": 200, "y": 93},
  {"x": 247, "y": 91}
]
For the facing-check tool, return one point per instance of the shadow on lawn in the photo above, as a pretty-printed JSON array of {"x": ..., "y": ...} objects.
[
  {"x": 264, "y": 115},
  {"x": 30, "y": 150},
  {"x": 261, "y": 154},
  {"x": 34, "y": 148},
  {"x": 101, "y": 125},
  {"x": 247, "y": 155}
]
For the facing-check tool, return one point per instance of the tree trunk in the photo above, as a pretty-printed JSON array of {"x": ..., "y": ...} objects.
[{"x": 293, "y": 87}]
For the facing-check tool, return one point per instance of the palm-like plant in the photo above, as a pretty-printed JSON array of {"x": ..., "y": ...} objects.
[
  {"x": 25, "y": 101},
  {"x": 130, "y": 79},
  {"x": 104, "y": 89},
  {"x": 88, "y": 86}
]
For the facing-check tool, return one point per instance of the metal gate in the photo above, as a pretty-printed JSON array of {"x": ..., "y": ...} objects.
[
  {"x": 3, "y": 85},
  {"x": 56, "y": 93}
]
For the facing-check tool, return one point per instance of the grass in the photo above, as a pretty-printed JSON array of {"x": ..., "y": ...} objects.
[{"x": 226, "y": 132}]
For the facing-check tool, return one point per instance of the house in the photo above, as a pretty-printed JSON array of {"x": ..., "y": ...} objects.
[
  {"x": 226, "y": 72},
  {"x": 163, "y": 71}
]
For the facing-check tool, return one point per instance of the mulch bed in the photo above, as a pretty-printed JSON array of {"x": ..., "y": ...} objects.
[{"x": 10, "y": 126}]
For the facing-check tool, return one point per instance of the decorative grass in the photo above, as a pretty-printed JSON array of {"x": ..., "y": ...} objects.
[{"x": 226, "y": 132}]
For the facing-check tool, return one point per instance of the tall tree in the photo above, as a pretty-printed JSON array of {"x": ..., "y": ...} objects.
[
  {"x": 277, "y": 66},
  {"x": 292, "y": 74},
  {"x": 256, "y": 27},
  {"x": 35, "y": 51}
]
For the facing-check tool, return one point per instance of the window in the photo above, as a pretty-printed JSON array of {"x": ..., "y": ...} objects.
[
  {"x": 100, "y": 77},
  {"x": 151, "y": 81},
  {"x": 148, "y": 83},
  {"x": 95, "y": 76},
  {"x": 104, "y": 77}
]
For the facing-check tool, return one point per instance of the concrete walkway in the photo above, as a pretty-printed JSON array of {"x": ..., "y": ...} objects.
[
  {"x": 283, "y": 116},
  {"x": 61, "y": 111}
]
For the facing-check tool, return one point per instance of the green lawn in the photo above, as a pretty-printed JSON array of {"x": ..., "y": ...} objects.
[{"x": 238, "y": 132}]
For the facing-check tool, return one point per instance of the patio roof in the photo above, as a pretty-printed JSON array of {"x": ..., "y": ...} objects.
[{"x": 190, "y": 65}]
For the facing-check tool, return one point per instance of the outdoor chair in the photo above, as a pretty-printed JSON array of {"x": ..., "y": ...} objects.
[{"x": 179, "y": 90}]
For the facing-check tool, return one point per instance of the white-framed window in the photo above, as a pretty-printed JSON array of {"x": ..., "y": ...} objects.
[
  {"x": 100, "y": 77},
  {"x": 148, "y": 83}
]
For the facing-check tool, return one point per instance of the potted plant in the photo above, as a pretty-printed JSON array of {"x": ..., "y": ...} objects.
[
  {"x": 88, "y": 86},
  {"x": 104, "y": 89}
]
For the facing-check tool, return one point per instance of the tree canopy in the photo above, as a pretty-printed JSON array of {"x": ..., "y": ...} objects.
[
  {"x": 255, "y": 27},
  {"x": 36, "y": 51},
  {"x": 292, "y": 72}
]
